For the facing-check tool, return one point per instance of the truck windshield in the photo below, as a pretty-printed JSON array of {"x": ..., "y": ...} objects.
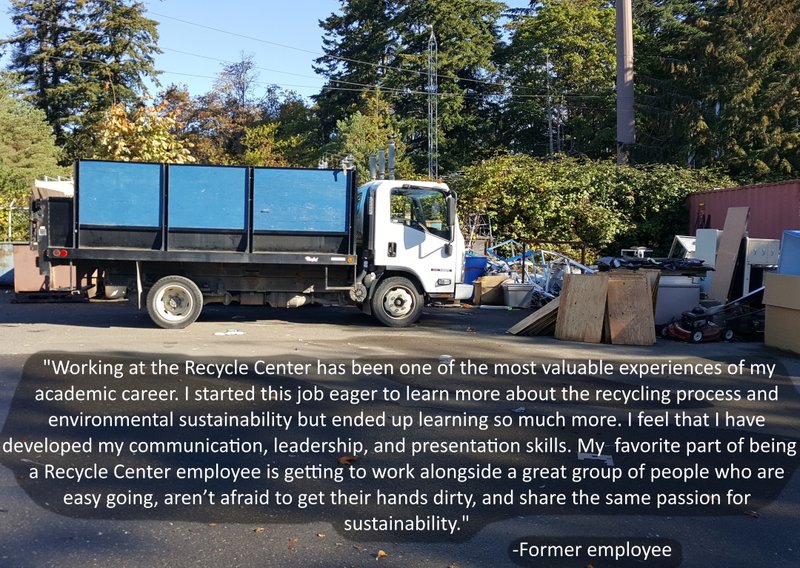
[{"x": 422, "y": 209}]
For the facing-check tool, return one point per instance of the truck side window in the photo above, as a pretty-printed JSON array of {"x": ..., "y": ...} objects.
[{"x": 421, "y": 209}]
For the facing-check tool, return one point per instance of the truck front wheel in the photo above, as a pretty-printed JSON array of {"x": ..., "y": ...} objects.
[
  {"x": 397, "y": 302},
  {"x": 174, "y": 302}
]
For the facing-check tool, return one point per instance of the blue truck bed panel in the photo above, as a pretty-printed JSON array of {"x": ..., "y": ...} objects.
[
  {"x": 300, "y": 200},
  {"x": 171, "y": 209},
  {"x": 119, "y": 194},
  {"x": 207, "y": 197}
]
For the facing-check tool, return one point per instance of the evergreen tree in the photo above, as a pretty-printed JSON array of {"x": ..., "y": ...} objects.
[
  {"x": 562, "y": 62},
  {"x": 751, "y": 75},
  {"x": 47, "y": 55},
  {"x": 718, "y": 85},
  {"x": 385, "y": 44},
  {"x": 363, "y": 134},
  {"x": 27, "y": 151},
  {"x": 359, "y": 44},
  {"x": 467, "y": 35},
  {"x": 76, "y": 58}
]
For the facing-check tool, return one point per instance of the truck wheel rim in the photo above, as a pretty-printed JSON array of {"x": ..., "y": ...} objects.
[
  {"x": 398, "y": 302},
  {"x": 174, "y": 303}
]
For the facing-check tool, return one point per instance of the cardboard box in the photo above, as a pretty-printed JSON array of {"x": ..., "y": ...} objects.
[
  {"x": 782, "y": 290},
  {"x": 782, "y": 319},
  {"x": 489, "y": 290},
  {"x": 28, "y": 279},
  {"x": 782, "y": 328}
]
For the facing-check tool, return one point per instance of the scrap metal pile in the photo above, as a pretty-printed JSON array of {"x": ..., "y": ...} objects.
[{"x": 542, "y": 270}]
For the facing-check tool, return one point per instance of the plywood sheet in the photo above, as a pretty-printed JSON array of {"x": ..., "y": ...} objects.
[
  {"x": 630, "y": 311},
  {"x": 728, "y": 252},
  {"x": 582, "y": 308},
  {"x": 653, "y": 278}
]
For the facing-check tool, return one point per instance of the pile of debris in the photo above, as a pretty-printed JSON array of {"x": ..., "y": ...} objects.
[
  {"x": 617, "y": 307},
  {"x": 526, "y": 277}
]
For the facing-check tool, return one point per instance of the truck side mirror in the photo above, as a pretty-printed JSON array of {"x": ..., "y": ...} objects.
[{"x": 451, "y": 215}]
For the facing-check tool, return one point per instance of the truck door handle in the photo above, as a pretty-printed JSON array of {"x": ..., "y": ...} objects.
[{"x": 392, "y": 252}]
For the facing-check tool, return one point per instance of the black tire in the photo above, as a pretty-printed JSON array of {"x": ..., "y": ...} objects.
[
  {"x": 396, "y": 302},
  {"x": 174, "y": 302},
  {"x": 697, "y": 336},
  {"x": 728, "y": 334}
]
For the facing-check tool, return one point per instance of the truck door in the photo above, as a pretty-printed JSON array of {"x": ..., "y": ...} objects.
[{"x": 413, "y": 233}]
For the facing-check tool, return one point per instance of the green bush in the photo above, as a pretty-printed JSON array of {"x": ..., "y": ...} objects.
[{"x": 570, "y": 199}]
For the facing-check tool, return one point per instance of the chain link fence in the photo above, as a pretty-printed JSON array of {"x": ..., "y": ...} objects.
[{"x": 14, "y": 222}]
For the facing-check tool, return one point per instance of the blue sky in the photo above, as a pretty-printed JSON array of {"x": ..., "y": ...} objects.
[{"x": 199, "y": 37}]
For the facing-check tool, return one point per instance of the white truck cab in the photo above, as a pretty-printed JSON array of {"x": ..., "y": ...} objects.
[{"x": 410, "y": 237}]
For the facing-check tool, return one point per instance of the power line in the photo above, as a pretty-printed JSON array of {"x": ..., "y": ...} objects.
[
  {"x": 363, "y": 87},
  {"x": 339, "y": 57}
]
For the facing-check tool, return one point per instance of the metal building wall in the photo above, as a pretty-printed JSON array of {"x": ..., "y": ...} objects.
[{"x": 773, "y": 208}]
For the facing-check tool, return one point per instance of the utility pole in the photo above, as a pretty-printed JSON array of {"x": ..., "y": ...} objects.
[
  {"x": 626, "y": 126},
  {"x": 433, "y": 108},
  {"x": 549, "y": 109}
]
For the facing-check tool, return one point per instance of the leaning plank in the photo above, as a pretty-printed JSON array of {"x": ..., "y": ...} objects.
[
  {"x": 732, "y": 235},
  {"x": 653, "y": 278},
  {"x": 630, "y": 311},
  {"x": 538, "y": 322},
  {"x": 582, "y": 308}
]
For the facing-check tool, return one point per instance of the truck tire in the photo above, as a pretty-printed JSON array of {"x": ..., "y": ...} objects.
[
  {"x": 397, "y": 302},
  {"x": 174, "y": 302}
]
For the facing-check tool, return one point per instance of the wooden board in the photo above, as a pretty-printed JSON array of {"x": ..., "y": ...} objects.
[
  {"x": 653, "y": 278},
  {"x": 630, "y": 311},
  {"x": 728, "y": 252},
  {"x": 540, "y": 322},
  {"x": 582, "y": 308}
]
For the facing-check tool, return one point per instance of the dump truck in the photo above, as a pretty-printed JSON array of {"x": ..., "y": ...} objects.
[{"x": 176, "y": 237}]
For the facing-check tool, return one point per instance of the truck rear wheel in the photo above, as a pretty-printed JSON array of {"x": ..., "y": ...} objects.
[
  {"x": 397, "y": 302},
  {"x": 174, "y": 302}
]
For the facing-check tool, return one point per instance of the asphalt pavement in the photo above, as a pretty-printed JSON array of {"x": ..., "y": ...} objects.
[{"x": 35, "y": 532}]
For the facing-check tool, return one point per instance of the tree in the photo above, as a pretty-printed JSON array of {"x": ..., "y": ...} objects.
[
  {"x": 362, "y": 134},
  {"x": 145, "y": 134},
  {"x": 384, "y": 45},
  {"x": 78, "y": 57},
  {"x": 262, "y": 148},
  {"x": 359, "y": 45},
  {"x": 299, "y": 126},
  {"x": 562, "y": 61},
  {"x": 216, "y": 122},
  {"x": 27, "y": 151},
  {"x": 467, "y": 35},
  {"x": 751, "y": 110},
  {"x": 720, "y": 85}
]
